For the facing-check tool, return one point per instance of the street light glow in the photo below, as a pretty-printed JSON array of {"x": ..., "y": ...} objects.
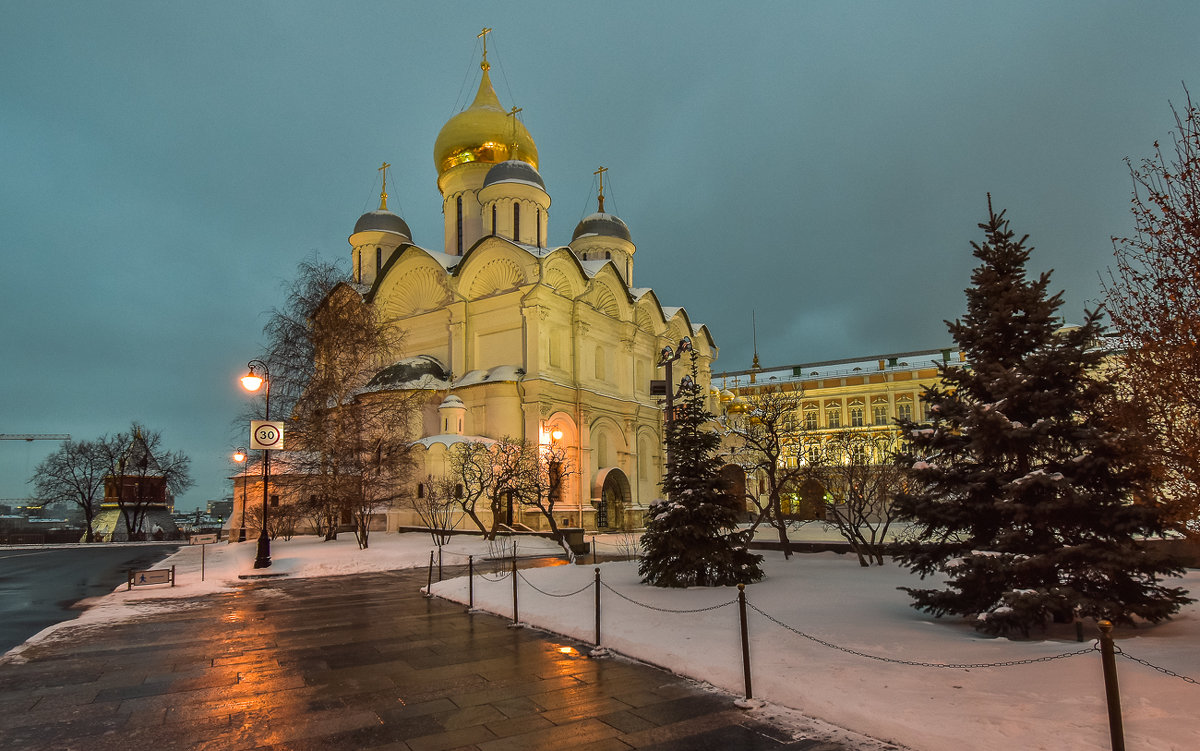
[
  {"x": 252, "y": 382},
  {"x": 239, "y": 455}
]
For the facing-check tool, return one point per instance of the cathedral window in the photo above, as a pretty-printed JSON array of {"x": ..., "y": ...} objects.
[
  {"x": 539, "y": 228},
  {"x": 493, "y": 218},
  {"x": 459, "y": 230},
  {"x": 601, "y": 370},
  {"x": 378, "y": 260},
  {"x": 420, "y": 490},
  {"x": 516, "y": 222}
]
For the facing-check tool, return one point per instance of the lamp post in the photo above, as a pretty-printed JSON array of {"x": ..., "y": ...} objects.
[
  {"x": 253, "y": 382},
  {"x": 239, "y": 456},
  {"x": 667, "y": 358}
]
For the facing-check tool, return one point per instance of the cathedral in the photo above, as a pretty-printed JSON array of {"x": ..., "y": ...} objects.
[{"x": 511, "y": 337}]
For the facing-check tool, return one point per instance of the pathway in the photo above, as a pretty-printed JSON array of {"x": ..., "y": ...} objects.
[{"x": 358, "y": 662}]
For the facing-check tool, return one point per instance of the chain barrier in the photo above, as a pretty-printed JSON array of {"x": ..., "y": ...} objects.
[
  {"x": 666, "y": 610},
  {"x": 1165, "y": 671},
  {"x": 500, "y": 578},
  {"x": 896, "y": 661},
  {"x": 535, "y": 588}
]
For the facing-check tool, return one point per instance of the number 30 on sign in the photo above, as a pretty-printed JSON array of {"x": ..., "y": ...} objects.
[{"x": 266, "y": 435}]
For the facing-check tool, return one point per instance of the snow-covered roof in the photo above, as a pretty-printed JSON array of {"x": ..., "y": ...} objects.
[
  {"x": 418, "y": 372},
  {"x": 851, "y": 367},
  {"x": 593, "y": 267},
  {"x": 498, "y": 373}
]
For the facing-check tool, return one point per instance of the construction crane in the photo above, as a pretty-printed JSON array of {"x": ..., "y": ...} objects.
[{"x": 35, "y": 436}]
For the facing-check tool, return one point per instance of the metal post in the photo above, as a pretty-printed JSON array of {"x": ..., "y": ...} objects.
[
  {"x": 593, "y": 550},
  {"x": 745, "y": 640},
  {"x": 514, "y": 578},
  {"x": 429, "y": 586},
  {"x": 597, "y": 607},
  {"x": 439, "y": 562},
  {"x": 1111, "y": 690},
  {"x": 471, "y": 582}
]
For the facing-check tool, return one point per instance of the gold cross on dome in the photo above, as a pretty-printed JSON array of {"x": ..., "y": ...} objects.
[
  {"x": 383, "y": 190},
  {"x": 483, "y": 35},
  {"x": 512, "y": 147},
  {"x": 601, "y": 172}
]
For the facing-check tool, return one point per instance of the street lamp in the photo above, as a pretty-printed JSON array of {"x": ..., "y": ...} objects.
[
  {"x": 239, "y": 456},
  {"x": 253, "y": 382},
  {"x": 666, "y": 359}
]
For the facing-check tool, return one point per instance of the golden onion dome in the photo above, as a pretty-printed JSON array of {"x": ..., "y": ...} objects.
[
  {"x": 483, "y": 132},
  {"x": 726, "y": 396},
  {"x": 737, "y": 407}
]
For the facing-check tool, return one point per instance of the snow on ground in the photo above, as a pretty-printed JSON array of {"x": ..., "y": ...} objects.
[{"x": 1048, "y": 705}]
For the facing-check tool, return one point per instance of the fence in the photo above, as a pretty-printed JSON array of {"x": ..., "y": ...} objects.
[{"x": 1104, "y": 644}]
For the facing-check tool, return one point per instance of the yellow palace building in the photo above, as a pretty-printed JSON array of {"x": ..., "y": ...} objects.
[{"x": 859, "y": 397}]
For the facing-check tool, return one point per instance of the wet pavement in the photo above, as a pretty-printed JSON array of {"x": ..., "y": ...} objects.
[{"x": 361, "y": 662}]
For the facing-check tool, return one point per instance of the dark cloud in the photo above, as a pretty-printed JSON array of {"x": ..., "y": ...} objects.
[{"x": 821, "y": 164}]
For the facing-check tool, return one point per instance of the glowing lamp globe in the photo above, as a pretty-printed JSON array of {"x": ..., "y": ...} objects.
[{"x": 252, "y": 382}]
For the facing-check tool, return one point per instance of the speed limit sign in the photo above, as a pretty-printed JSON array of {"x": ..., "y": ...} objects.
[{"x": 266, "y": 435}]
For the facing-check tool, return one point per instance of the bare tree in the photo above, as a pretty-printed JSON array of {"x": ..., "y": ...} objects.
[
  {"x": 766, "y": 442},
  {"x": 436, "y": 506},
  {"x": 862, "y": 478},
  {"x": 73, "y": 474},
  {"x": 510, "y": 467},
  {"x": 473, "y": 470},
  {"x": 139, "y": 473},
  {"x": 540, "y": 482},
  {"x": 1153, "y": 300},
  {"x": 352, "y": 441}
]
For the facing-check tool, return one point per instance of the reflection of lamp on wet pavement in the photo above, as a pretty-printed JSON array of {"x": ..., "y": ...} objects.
[
  {"x": 253, "y": 382},
  {"x": 239, "y": 456}
]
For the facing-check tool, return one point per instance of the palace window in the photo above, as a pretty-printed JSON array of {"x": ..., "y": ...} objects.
[
  {"x": 810, "y": 419},
  {"x": 904, "y": 411},
  {"x": 833, "y": 417},
  {"x": 858, "y": 453},
  {"x": 856, "y": 417}
]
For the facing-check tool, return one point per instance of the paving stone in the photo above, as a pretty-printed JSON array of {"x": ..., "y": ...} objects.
[{"x": 360, "y": 662}]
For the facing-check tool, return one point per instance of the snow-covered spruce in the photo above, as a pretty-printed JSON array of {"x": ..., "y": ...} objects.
[
  {"x": 1030, "y": 499},
  {"x": 691, "y": 539}
]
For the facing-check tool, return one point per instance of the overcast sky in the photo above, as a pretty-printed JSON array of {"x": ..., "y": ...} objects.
[{"x": 821, "y": 164}]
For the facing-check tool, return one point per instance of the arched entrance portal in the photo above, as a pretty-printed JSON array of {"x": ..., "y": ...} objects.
[{"x": 611, "y": 499}]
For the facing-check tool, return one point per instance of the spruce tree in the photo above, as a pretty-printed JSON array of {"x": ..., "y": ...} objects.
[
  {"x": 1023, "y": 492},
  {"x": 691, "y": 538}
]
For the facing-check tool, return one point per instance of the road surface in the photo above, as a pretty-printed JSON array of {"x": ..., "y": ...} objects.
[{"x": 39, "y": 585}]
